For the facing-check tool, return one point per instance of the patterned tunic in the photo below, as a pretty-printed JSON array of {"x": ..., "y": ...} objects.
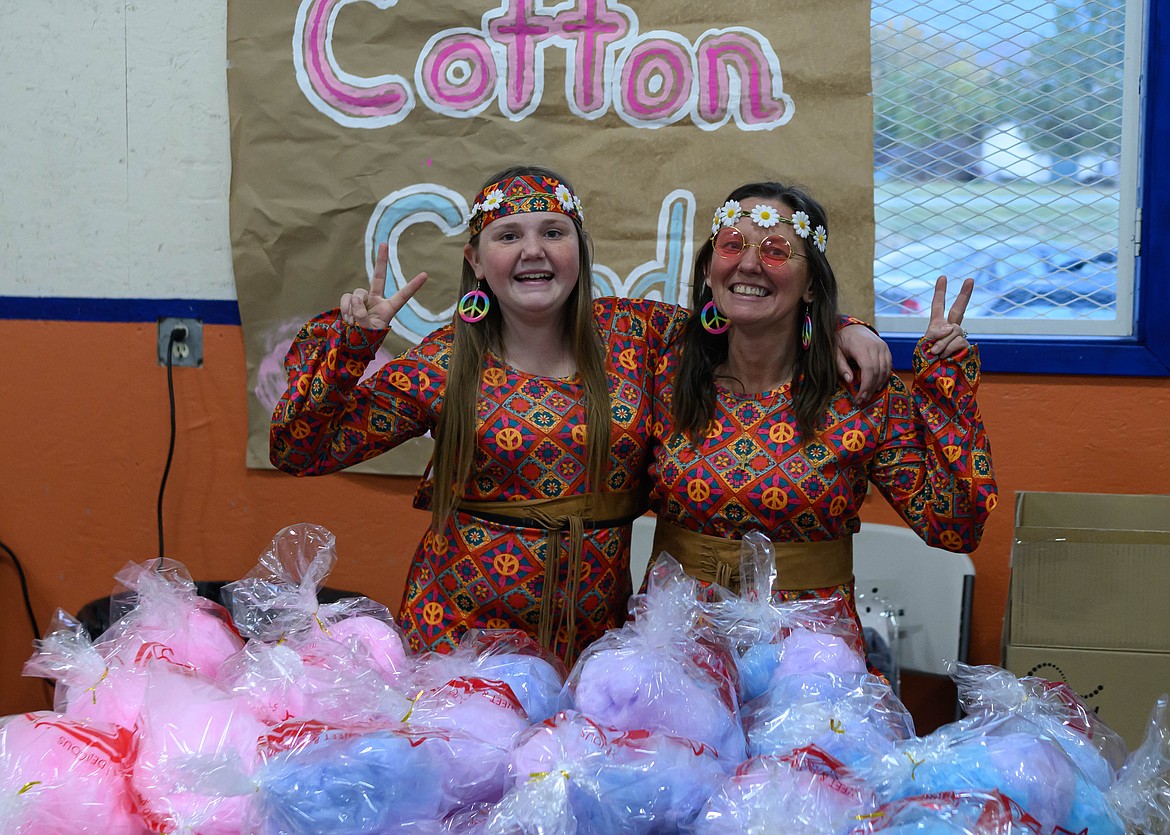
[
  {"x": 925, "y": 450},
  {"x": 531, "y": 432}
]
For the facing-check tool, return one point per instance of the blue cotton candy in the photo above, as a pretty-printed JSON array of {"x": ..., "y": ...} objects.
[
  {"x": 756, "y": 667},
  {"x": 1044, "y": 788},
  {"x": 357, "y": 786},
  {"x": 536, "y": 684}
]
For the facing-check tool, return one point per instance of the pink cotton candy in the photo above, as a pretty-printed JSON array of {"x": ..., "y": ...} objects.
[
  {"x": 198, "y": 638},
  {"x": 382, "y": 641},
  {"x": 803, "y": 652},
  {"x": 116, "y": 698},
  {"x": 189, "y": 729},
  {"x": 73, "y": 774}
]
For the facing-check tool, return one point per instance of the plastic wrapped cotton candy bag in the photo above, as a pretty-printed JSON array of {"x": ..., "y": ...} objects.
[
  {"x": 534, "y": 675},
  {"x": 190, "y": 728},
  {"x": 1141, "y": 795},
  {"x": 816, "y": 635},
  {"x": 279, "y": 598},
  {"x": 806, "y": 792},
  {"x": 65, "y": 777},
  {"x": 804, "y": 652},
  {"x": 300, "y": 679},
  {"x": 1044, "y": 707},
  {"x": 572, "y": 774},
  {"x": 951, "y": 813},
  {"x": 167, "y": 621},
  {"x": 851, "y": 717},
  {"x": 661, "y": 671},
  {"x": 89, "y": 686},
  {"x": 480, "y": 719},
  {"x": 351, "y": 784},
  {"x": 1032, "y": 770}
]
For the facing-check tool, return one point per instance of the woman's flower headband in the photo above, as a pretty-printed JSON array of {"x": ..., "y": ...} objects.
[
  {"x": 520, "y": 194},
  {"x": 766, "y": 216}
]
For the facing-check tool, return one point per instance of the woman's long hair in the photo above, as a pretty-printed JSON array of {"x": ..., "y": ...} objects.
[
  {"x": 814, "y": 378},
  {"x": 455, "y": 432}
]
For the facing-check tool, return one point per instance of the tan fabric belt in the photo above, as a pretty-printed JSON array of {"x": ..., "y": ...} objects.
[
  {"x": 799, "y": 565},
  {"x": 566, "y": 519}
]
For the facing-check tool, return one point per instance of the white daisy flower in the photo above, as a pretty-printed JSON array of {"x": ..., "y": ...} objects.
[
  {"x": 716, "y": 224},
  {"x": 729, "y": 214},
  {"x": 577, "y": 206},
  {"x": 820, "y": 238},
  {"x": 800, "y": 224},
  {"x": 564, "y": 197},
  {"x": 492, "y": 200},
  {"x": 765, "y": 215}
]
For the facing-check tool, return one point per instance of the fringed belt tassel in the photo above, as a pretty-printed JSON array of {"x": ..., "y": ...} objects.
[{"x": 565, "y": 519}]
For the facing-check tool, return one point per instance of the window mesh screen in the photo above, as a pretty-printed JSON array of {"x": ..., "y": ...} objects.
[{"x": 997, "y": 140}]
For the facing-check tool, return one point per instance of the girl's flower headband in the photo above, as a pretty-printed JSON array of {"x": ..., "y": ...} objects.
[
  {"x": 766, "y": 216},
  {"x": 520, "y": 194}
]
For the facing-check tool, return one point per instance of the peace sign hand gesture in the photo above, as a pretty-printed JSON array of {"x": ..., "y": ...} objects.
[
  {"x": 370, "y": 308},
  {"x": 945, "y": 331}
]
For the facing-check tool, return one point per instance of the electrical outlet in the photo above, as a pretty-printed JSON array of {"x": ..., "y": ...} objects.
[{"x": 186, "y": 352}]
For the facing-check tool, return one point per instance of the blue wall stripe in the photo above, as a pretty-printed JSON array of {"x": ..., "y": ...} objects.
[{"x": 119, "y": 310}]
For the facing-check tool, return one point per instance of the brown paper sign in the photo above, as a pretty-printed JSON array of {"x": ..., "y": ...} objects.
[{"x": 356, "y": 122}]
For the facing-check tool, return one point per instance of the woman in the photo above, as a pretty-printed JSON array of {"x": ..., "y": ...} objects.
[
  {"x": 539, "y": 401},
  {"x": 755, "y": 432}
]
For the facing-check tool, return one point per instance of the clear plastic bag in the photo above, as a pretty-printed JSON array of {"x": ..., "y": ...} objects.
[
  {"x": 89, "y": 685},
  {"x": 192, "y": 733},
  {"x": 663, "y": 671},
  {"x": 1141, "y": 794},
  {"x": 761, "y": 628},
  {"x": 534, "y": 674},
  {"x": 851, "y": 716},
  {"x": 1002, "y": 754},
  {"x": 61, "y": 776},
  {"x": 1051, "y": 708},
  {"x": 575, "y": 775},
  {"x": 161, "y": 618},
  {"x": 971, "y": 812},
  {"x": 807, "y": 792}
]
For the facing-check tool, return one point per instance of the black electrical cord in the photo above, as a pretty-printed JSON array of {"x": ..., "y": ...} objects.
[
  {"x": 177, "y": 334},
  {"x": 32, "y": 618}
]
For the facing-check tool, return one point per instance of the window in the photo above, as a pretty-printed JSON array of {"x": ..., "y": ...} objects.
[{"x": 1008, "y": 147}]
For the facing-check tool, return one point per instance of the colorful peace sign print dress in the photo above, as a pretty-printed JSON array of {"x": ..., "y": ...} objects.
[
  {"x": 479, "y": 573},
  {"x": 925, "y": 449}
]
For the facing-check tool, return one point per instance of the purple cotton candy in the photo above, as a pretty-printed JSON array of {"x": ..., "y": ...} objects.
[
  {"x": 805, "y": 793},
  {"x": 481, "y": 719},
  {"x": 805, "y": 652},
  {"x": 633, "y": 691}
]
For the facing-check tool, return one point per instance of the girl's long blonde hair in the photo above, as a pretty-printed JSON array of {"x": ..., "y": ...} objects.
[{"x": 455, "y": 432}]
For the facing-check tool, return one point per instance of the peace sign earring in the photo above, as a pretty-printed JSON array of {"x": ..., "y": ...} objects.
[
  {"x": 474, "y": 305},
  {"x": 712, "y": 320}
]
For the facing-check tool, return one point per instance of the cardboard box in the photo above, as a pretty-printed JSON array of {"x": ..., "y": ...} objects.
[
  {"x": 1090, "y": 571},
  {"x": 1122, "y": 687}
]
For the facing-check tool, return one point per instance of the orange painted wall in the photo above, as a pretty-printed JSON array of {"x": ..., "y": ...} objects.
[{"x": 84, "y": 419}]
